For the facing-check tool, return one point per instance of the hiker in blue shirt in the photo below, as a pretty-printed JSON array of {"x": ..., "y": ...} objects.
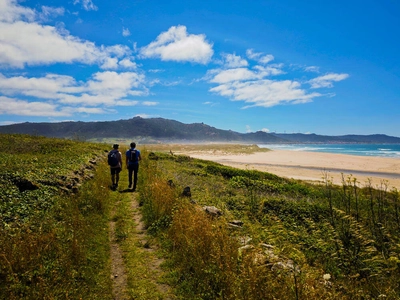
[{"x": 132, "y": 164}]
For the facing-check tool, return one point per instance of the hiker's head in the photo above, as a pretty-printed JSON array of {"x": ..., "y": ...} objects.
[
  {"x": 133, "y": 145},
  {"x": 115, "y": 146}
]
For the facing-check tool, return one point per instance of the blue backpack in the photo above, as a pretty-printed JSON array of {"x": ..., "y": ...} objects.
[{"x": 112, "y": 158}]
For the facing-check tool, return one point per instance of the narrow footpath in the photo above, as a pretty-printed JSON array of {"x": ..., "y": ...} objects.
[{"x": 135, "y": 266}]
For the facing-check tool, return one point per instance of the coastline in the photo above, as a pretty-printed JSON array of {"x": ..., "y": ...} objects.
[{"x": 314, "y": 166}]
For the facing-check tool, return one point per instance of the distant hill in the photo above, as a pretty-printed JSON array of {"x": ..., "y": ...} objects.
[
  {"x": 164, "y": 130},
  {"x": 157, "y": 129}
]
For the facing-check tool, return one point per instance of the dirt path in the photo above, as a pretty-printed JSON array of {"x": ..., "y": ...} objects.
[
  {"x": 152, "y": 262},
  {"x": 118, "y": 272},
  {"x": 155, "y": 262}
]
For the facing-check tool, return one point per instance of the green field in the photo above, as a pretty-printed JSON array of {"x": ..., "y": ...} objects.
[{"x": 272, "y": 238}]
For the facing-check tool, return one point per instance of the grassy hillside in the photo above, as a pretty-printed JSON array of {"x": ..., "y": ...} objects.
[
  {"x": 52, "y": 239},
  {"x": 272, "y": 238}
]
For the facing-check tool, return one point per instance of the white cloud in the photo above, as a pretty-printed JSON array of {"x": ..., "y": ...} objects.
[
  {"x": 177, "y": 45},
  {"x": 86, "y": 4},
  {"x": 314, "y": 69},
  {"x": 86, "y": 110},
  {"x": 326, "y": 81},
  {"x": 110, "y": 63},
  {"x": 234, "y": 61},
  {"x": 259, "y": 57},
  {"x": 265, "y": 130},
  {"x": 10, "y": 11},
  {"x": 149, "y": 103},
  {"x": 145, "y": 116},
  {"x": 13, "y": 106},
  {"x": 126, "y": 103},
  {"x": 242, "y": 74},
  {"x": 265, "y": 93},
  {"x": 48, "y": 12},
  {"x": 33, "y": 44},
  {"x": 126, "y": 32},
  {"x": 104, "y": 88},
  {"x": 251, "y": 84},
  {"x": 127, "y": 64},
  {"x": 23, "y": 41},
  {"x": 238, "y": 74}
]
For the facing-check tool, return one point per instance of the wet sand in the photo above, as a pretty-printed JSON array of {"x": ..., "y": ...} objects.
[{"x": 314, "y": 166}]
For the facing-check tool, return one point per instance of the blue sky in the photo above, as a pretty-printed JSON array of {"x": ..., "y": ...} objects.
[{"x": 325, "y": 67}]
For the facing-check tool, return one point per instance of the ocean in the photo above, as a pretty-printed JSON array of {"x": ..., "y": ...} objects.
[{"x": 381, "y": 150}]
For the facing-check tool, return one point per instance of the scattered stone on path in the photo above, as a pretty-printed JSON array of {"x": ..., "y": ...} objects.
[{"x": 213, "y": 211}]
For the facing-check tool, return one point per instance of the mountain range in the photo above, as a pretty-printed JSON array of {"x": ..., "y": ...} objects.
[{"x": 164, "y": 130}]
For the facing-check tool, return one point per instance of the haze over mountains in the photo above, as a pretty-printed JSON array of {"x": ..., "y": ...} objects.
[{"x": 164, "y": 130}]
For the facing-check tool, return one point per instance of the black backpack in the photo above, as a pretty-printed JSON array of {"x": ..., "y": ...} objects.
[
  {"x": 112, "y": 158},
  {"x": 133, "y": 157}
]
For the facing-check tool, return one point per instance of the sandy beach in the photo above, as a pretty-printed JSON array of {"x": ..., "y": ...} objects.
[{"x": 312, "y": 166}]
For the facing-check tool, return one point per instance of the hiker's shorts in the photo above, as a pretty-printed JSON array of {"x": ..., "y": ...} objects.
[{"x": 115, "y": 170}]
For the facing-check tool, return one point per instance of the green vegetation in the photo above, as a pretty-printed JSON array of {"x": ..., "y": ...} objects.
[
  {"x": 53, "y": 239},
  {"x": 275, "y": 239},
  {"x": 298, "y": 241}
]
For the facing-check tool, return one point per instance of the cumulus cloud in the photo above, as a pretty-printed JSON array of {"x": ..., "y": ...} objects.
[
  {"x": 326, "y": 81},
  {"x": 234, "y": 61},
  {"x": 177, "y": 45},
  {"x": 252, "y": 84},
  {"x": 12, "y": 106},
  {"x": 10, "y": 11},
  {"x": 127, "y": 64},
  {"x": 24, "y": 41},
  {"x": 238, "y": 74},
  {"x": 102, "y": 89},
  {"x": 265, "y": 93}
]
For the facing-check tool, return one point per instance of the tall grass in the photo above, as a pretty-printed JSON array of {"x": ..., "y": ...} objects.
[
  {"x": 53, "y": 245},
  {"x": 303, "y": 241}
]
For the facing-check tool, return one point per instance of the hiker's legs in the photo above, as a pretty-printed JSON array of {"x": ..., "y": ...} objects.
[
  {"x": 112, "y": 176},
  {"x": 130, "y": 170},
  {"x": 135, "y": 175},
  {"x": 117, "y": 176}
]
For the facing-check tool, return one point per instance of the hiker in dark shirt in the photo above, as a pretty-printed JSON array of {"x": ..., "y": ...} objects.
[
  {"x": 115, "y": 163},
  {"x": 132, "y": 164}
]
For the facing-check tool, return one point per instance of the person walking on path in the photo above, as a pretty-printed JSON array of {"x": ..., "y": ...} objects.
[
  {"x": 115, "y": 163},
  {"x": 132, "y": 164}
]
